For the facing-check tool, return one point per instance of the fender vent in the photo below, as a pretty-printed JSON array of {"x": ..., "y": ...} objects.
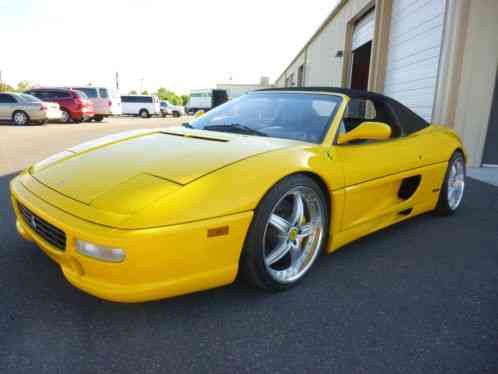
[{"x": 409, "y": 187}]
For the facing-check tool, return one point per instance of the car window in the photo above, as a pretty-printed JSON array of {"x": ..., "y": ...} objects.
[
  {"x": 103, "y": 93},
  {"x": 298, "y": 116},
  {"x": 361, "y": 110},
  {"x": 29, "y": 98},
  {"x": 58, "y": 94},
  {"x": 39, "y": 94},
  {"x": 88, "y": 91},
  {"x": 357, "y": 111},
  {"x": 6, "y": 98}
]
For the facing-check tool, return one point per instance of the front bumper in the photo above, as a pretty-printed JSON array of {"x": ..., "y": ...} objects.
[{"x": 160, "y": 262}]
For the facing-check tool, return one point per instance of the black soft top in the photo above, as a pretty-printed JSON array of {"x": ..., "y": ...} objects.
[{"x": 407, "y": 120}]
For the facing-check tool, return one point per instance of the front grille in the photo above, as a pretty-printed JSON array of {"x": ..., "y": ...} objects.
[{"x": 48, "y": 232}]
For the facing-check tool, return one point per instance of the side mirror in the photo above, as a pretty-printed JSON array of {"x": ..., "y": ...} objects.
[{"x": 366, "y": 131}]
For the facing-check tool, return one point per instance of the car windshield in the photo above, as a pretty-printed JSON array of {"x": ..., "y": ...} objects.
[
  {"x": 298, "y": 116},
  {"x": 104, "y": 93},
  {"x": 29, "y": 98}
]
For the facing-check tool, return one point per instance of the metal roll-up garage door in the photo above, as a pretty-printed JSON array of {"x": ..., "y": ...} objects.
[
  {"x": 363, "y": 30},
  {"x": 415, "y": 39}
]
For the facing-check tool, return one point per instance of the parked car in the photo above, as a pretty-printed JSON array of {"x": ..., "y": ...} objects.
[
  {"x": 23, "y": 109},
  {"x": 172, "y": 110},
  {"x": 165, "y": 109},
  {"x": 144, "y": 106},
  {"x": 105, "y": 102},
  {"x": 74, "y": 105},
  {"x": 259, "y": 187},
  {"x": 206, "y": 100}
]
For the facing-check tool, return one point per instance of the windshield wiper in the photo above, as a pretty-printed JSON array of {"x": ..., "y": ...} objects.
[
  {"x": 242, "y": 129},
  {"x": 187, "y": 125}
]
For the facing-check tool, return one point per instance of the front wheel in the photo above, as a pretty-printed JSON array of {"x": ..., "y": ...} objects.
[
  {"x": 20, "y": 118},
  {"x": 144, "y": 113},
  {"x": 451, "y": 194},
  {"x": 176, "y": 114},
  {"x": 288, "y": 232}
]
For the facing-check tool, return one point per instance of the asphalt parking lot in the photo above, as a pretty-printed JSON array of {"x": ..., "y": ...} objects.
[{"x": 420, "y": 297}]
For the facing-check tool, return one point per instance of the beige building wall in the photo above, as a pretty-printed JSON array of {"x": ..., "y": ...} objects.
[
  {"x": 319, "y": 53},
  {"x": 323, "y": 67},
  {"x": 300, "y": 60},
  {"x": 477, "y": 79}
]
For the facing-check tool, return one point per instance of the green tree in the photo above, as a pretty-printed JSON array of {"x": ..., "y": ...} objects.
[
  {"x": 5, "y": 87},
  {"x": 185, "y": 99},
  {"x": 172, "y": 97},
  {"x": 145, "y": 92},
  {"x": 23, "y": 86},
  {"x": 132, "y": 92}
]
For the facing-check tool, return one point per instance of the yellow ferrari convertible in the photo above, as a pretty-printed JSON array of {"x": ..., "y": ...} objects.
[{"x": 260, "y": 186}]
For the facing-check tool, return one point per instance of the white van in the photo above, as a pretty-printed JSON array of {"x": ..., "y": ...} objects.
[
  {"x": 106, "y": 102},
  {"x": 206, "y": 99},
  {"x": 141, "y": 105}
]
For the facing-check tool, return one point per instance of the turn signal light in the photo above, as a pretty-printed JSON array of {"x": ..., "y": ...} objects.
[{"x": 100, "y": 252}]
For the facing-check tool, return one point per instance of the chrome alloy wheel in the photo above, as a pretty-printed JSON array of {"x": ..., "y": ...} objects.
[
  {"x": 20, "y": 118},
  {"x": 293, "y": 234},
  {"x": 456, "y": 183}
]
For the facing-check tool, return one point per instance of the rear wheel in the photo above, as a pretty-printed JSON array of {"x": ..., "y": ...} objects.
[
  {"x": 20, "y": 118},
  {"x": 176, "y": 114},
  {"x": 451, "y": 194},
  {"x": 98, "y": 118},
  {"x": 288, "y": 232},
  {"x": 66, "y": 117},
  {"x": 144, "y": 113}
]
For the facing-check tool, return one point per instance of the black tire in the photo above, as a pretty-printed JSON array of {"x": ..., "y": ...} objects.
[
  {"x": 144, "y": 113},
  {"x": 443, "y": 207},
  {"x": 66, "y": 116},
  {"x": 163, "y": 114},
  {"x": 176, "y": 114},
  {"x": 20, "y": 118},
  {"x": 98, "y": 118},
  {"x": 252, "y": 263}
]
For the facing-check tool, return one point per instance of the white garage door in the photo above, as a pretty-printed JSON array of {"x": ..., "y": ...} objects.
[
  {"x": 363, "y": 30},
  {"x": 413, "y": 56}
]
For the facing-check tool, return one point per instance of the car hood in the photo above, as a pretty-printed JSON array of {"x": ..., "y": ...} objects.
[{"x": 126, "y": 163}]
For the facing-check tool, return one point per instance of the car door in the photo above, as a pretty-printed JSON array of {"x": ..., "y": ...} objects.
[
  {"x": 7, "y": 106},
  {"x": 375, "y": 171}
]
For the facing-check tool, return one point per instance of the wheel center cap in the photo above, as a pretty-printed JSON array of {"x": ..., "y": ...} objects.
[{"x": 293, "y": 233}]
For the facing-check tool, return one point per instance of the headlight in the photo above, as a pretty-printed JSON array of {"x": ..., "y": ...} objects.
[{"x": 100, "y": 252}]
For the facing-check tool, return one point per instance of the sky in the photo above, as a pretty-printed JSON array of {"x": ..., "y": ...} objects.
[{"x": 180, "y": 45}]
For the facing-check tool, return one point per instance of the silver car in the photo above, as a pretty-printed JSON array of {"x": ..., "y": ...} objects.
[{"x": 23, "y": 109}]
